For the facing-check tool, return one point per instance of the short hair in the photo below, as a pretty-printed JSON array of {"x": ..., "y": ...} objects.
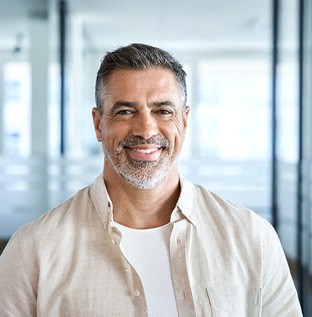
[{"x": 137, "y": 56}]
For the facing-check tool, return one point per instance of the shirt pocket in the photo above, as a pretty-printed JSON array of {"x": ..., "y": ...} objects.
[{"x": 235, "y": 301}]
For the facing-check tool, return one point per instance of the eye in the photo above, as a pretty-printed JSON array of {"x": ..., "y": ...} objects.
[
  {"x": 124, "y": 112},
  {"x": 164, "y": 112}
]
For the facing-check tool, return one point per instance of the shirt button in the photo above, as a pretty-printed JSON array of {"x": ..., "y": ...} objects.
[{"x": 136, "y": 293}]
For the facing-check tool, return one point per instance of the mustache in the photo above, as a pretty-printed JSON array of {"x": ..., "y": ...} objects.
[{"x": 138, "y": 140}]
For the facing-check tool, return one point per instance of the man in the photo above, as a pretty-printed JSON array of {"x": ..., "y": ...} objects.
[{"x": 142, "y": 240}]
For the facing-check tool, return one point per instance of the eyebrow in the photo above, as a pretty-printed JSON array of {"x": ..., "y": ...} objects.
[
  {"x": 120, "y": 104},
  {"x": 129, "y": 104},
  {"x": 164, "y": 103}
]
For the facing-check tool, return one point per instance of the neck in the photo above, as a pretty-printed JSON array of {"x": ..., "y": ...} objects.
[{"x": 140, "y": 208}]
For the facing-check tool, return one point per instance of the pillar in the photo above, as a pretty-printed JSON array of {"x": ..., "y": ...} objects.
[{"x": 39, "y": 70}]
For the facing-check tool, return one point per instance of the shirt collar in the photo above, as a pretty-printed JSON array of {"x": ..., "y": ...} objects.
[
  {"x": 100, "y": 198},
  {"x": 185, "y": 207}
]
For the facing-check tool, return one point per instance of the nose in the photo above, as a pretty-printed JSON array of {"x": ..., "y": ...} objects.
[{"x": 145, "y": 125}]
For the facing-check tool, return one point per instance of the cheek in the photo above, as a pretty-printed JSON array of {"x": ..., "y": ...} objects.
[
  {"x": 175, "y": 133},
  {"x": 113, "y": 133}
]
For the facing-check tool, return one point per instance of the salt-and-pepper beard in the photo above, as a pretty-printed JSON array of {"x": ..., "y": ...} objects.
[{"x": 141, "y": 174}]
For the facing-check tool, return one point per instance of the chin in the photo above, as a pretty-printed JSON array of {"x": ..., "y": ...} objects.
[{"x": 143, "y": 182}]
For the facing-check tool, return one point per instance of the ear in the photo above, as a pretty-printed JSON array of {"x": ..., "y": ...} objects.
[
  {"x": 97, "y": 123},
  {"x": 185, "y": 116}
]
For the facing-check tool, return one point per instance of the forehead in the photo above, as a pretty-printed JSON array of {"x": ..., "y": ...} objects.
[{"x": 144, "y": 82}]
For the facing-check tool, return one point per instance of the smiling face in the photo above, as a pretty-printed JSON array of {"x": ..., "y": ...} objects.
[{"x": 142, "y": 127}]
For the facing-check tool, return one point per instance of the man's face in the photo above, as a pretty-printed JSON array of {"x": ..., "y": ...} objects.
[{"x": 143, "y": 125}]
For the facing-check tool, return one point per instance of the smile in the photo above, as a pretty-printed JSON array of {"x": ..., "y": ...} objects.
[{"x": 146, "y": 151}]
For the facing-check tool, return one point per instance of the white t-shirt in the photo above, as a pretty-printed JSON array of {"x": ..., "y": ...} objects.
[{"x": 147, "y": 250}]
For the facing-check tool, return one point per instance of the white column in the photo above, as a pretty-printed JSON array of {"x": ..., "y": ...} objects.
[
  {"x": 39, "y": 43},
  {"x": 74, "y": 111},
  {"x": 39, "y": 70}
]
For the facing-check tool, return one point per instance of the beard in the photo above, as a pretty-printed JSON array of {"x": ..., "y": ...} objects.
[{"x": 140, "y": 174}]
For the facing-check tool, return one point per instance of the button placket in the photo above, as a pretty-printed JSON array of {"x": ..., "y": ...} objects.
[{"x": 181, "y": 283}]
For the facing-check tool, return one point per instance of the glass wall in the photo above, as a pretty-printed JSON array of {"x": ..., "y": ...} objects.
[
  {"x": 305, "y": 224},
  {"x": 294, "y": 142},
  {"x": 24, "y": 86},
  {"x": 287, "y": 125}
]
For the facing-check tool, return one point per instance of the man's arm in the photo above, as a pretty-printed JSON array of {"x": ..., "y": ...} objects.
[
  {"x": 279, "y": 293},
  {"x": 17, "y": 287}
]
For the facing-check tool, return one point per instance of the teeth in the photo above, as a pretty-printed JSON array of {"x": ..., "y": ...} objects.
[{"x": 146, "y": 151}]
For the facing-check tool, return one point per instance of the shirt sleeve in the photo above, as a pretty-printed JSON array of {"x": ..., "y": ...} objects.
[
  {"x": 17, "y": 279},
  {"x": 279, "y": 293}
]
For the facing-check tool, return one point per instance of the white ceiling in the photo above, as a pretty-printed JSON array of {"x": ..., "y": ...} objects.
[
  {"x": 184, "y": 24},
  {"x": 180, "y": 23}
]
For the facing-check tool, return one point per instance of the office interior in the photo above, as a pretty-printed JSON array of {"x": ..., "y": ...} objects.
[{"x": 249, "y": 88}]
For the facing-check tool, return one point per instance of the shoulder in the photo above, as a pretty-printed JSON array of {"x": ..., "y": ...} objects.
[
  {"x": 35, "y": 244},
  {"x": 59, "y": 222},
  {"x": 66, "y": 211},
  {"x": 231, "y": 213},
  {"x": 230, "y": 226},
  {"x": 212, "y": 210}
]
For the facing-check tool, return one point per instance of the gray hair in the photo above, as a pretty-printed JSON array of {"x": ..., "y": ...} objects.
[{"x": 137, "y": 56}]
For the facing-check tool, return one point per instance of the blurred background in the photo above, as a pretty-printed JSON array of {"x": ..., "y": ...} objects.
[{"x": 249, "y": 82}]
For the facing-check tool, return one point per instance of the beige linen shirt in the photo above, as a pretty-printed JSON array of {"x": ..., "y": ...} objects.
[{"x": 225, "y": 261}]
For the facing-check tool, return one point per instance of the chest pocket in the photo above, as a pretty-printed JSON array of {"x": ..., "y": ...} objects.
[{"x": 235, "y": 301}]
